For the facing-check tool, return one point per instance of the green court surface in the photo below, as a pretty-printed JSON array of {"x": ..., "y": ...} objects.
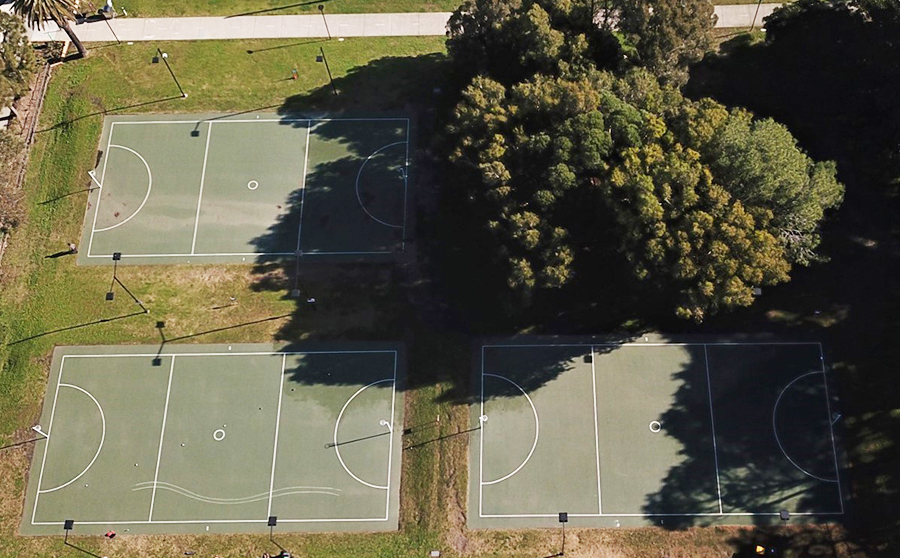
[
  {"x": 218, "y": 438},
  {"x": 244, "y": 188},
  {"x": 653, "y": 432}
]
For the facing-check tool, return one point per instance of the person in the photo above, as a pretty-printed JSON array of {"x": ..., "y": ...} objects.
[
  {"x": 72, "y": 248},
  {"x": 110, "y": 535}
]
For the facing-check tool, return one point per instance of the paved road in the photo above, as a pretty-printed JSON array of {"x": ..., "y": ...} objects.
[{"x": 301, "y": 26}]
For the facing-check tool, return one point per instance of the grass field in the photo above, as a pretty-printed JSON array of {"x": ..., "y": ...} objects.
[{"x": 46, "y": 302}]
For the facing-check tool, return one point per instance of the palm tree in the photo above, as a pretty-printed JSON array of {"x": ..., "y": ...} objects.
[{"x": 36, "y": 12}]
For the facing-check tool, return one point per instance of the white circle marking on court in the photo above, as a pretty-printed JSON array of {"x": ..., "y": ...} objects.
[
  {"x": 219, "y": 435},
  {"x": 775, "y": 428},
  {"x": 252, "y": 185},
  {"x": 337, "y": 423},
  {"x": 655, "y": 426},
  {"x": 536, "y": 430},
  {"x": 102, "y": 438},
  {"x": 359, "y": 174},
  {"x": 146, "y": 196}
]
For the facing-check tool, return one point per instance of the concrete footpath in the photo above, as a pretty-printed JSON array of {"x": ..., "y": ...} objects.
[{"x": 302, "y": 26}]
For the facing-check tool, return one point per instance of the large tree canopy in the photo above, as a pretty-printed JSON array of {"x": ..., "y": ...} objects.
[
  {"x": 16, "y": 59},
  {"x": 702, "y": 201}
]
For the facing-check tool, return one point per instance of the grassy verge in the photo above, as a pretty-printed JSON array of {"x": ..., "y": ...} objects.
[
  {"x": 177, "y": 8},
  {"x": 186, "y": 8}
]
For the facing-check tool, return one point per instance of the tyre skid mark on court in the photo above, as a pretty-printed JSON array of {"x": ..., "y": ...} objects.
[
  {"x": 359, "y": 174},
  {"x": 337, "y": 424},
  {"x": 287, "y": 491},
  {"x": 775, "y": 428},
  {"x": 536, "y": 431},
  {"x": 99, "y": 449},
  {"x": 146, "y": 196}
]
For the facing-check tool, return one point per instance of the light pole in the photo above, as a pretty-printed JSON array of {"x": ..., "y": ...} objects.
[
  {"x": 753, "y": 23},
  {"x": 165, "y": 58},
  {"x": 563, "y": 519},
  {"x": 322, "y": 11}
]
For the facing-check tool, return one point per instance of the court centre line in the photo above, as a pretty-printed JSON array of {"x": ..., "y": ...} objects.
[
  {"x": 405, "y": 189},
  {"x": 277, "y": 425},
  {"x": 303, "y": 186},
  {"x": 712, "y": 420},
  {"x": 596, "y": 431},
  {"x": 261, "y": 353},
  {"x": 481, "y": 444},
  {"x": 837, "y": 471},
  {"x": 162, "y": 432},
  {"x": 202, "y": 179},
  {"x": 387, "y": 506},
  {"x": 37, "y": 492},
  {"x": 112, "y": 128}
]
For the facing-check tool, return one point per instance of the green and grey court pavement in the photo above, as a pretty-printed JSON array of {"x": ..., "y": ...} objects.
[
  {"x": 218, "y": 438},
  {"x": 652, "y": 431},
  {"x": 247, "y": 187}
]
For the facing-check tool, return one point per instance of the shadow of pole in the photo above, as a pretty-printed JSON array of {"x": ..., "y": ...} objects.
[
  {"x": 69, "y": 328},
  {"x": 279, "y": 8},
  {"x": 107, "y": 111}
]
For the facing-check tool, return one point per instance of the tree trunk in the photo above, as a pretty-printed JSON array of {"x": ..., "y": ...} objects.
[{"x": 64, "y": 25}]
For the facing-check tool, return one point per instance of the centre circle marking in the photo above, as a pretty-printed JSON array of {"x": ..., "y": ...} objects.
[
  {"x": 252, "y": 185},
  {"x": 219, "y": 435},
  {"x": 655, "y": 426}
]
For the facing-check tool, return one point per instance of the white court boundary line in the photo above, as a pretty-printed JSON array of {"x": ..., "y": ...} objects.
[
  {"x": 217, "y": 521},
  {"x": 359, "y": 174},
  {"x": 778, "y": 438},
  {"x": 99, "y": 448},
  {"x": 162, "y": 433},
  {"x": 721, "y": 513},
  {"x": 712, "y": 424},
  {"x": 89, "y": 254},
  {"x": 596, "y": 430},
  {"x": 146, "y": 196},
  {"x": 537, "y": 427},
  {"x": 336, "y": 446}
]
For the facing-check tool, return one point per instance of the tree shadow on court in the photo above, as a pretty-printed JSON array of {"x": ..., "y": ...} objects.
[
  {"x": 830, "y": 74},
  {"x": 761, "y": 406}
]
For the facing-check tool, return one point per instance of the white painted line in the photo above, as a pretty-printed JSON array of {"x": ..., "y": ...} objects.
[
  {"x": 707, "y": 514},
  {"x": 481, "y": 445},
  {"x": 778, "y": 438},
  {"x": 596, "y": 430},
  {"x": 225, "y": 254},
  {"x": 359, "y": 197},
  {"x": 112, "y": 128},
  {"x": 723, "y": 343},
  {"x": 405, "y": 189},
  {"x": 387, "y": 505},
  {"x": 277, "y": 425},
  {"x": 162, "y": 432},
  {"x": 99, "y": 449},
  {"x": 202, "y": 179},
  {"x": 337, "y": 449},
  {"x": 303, "y": 186},
  {"x": 225, "y": 521},
  {"x": 536, "y": 429},
  {"x": 146, "y": 196},
  {"x": 37, "y": 493},
  {"x": 260, "y": 353},
  {"x": 712, "y": 422},
  {"x": 837, "y": 470},
  {"x": 243, "y": 121}
]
